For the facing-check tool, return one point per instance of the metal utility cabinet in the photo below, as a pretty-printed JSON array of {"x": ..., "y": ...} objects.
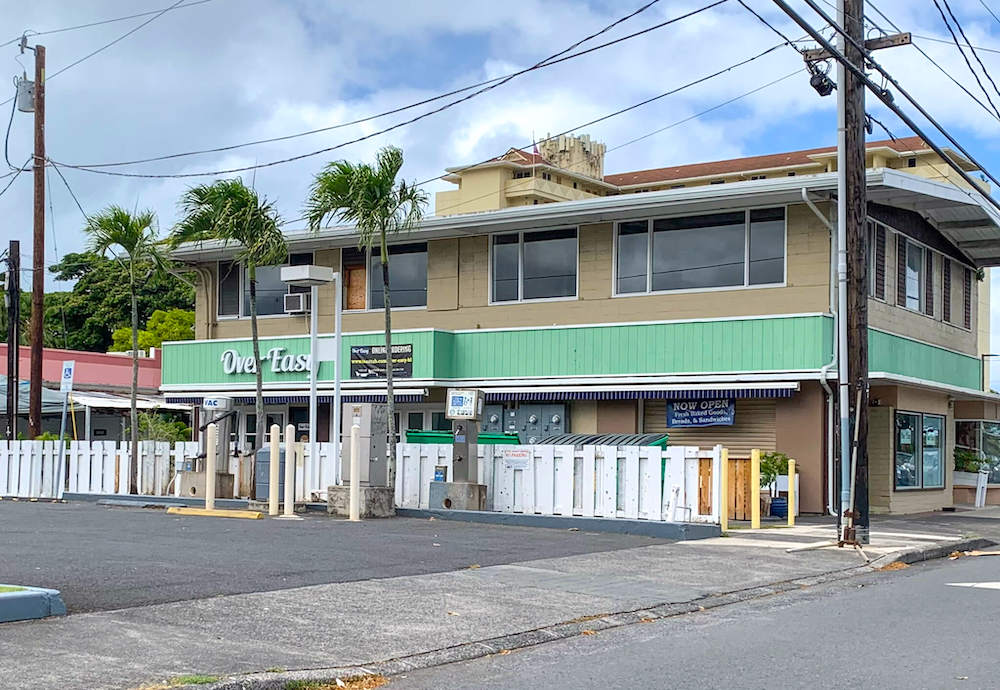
[{"x": 373, "y": 449}]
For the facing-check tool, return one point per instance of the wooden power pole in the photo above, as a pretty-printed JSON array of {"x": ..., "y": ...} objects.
[
  {"x": 13, "y": 295},
  {"x": 857, "y": 259},
  {"x": 38, "y": 252}
]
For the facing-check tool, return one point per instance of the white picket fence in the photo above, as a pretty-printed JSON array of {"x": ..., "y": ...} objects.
[
  {"x": 29, "y": 469},
  {"x": 633, "y": 482}
]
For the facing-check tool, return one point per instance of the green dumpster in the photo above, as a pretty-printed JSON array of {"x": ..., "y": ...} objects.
[
  {"x": 485, "y": 438},
  {"x": 429, "y": 436}
]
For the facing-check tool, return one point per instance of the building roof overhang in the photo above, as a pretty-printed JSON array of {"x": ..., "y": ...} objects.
[{"x": 965, "y": 217}]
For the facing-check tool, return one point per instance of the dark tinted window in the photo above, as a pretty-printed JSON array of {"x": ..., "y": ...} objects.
[
  {"x": 407, "y": 276},
  {"x": 767, "y": 246},
  {"x": 699, "y": 251},
  {"x": 549, "y": 264},
  {"x": 229, "y": 289},
  {"x": 505, "y": 267},
  {"x": 633, "y": 254}
]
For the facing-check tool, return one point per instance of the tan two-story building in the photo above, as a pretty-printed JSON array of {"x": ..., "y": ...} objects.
[{"x": 590, "y": 303}]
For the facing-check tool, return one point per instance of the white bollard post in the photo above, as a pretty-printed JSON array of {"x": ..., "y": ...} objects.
[
  {"x": 272, "y": 475},
  {"x": 211, "y": 446},
  {"x": 291, "y": 453},
  {"x": 355, "y": 508}
]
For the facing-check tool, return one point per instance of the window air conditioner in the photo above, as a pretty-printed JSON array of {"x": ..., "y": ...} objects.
[{"x": 297, "y": 303}]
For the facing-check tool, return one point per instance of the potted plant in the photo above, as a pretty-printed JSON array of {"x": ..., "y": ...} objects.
[
  {"x": 773, "y": 465},
  {"x": 967, "y": 466}
]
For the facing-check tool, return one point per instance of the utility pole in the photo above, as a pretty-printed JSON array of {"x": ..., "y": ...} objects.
[
  {"x": 852, "y": 158},
  {"x": 38, "y": 252},
  {"x": 13, "y": 296}
]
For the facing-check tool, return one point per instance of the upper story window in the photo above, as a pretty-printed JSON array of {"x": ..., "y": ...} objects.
[
  {"x": 911, "y": 274},
  {"x": 717, "y": 250},
  {"x": 234, "y": 287},
  {"x": 363, "y": 282},
  {"x": 521, "y": 174},
  {"x": 533, "y": 265}
]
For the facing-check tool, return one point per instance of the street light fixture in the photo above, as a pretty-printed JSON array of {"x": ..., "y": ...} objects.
[{"x": 312, "y": 277}]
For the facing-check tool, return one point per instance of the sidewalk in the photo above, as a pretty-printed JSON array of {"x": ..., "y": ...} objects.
[{"x": 357, "y": 623}]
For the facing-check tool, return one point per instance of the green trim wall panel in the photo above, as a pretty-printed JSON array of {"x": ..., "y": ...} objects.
[
  {"x": 742, "y": 345},
  {"x": 739, "y": 345},
  {"x": 898, "y": 355}
]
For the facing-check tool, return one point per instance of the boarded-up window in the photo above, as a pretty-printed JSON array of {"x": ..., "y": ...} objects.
[
  {"x": 929, "y": 284},
  {"x": 753, "y": 427},
  {"x": 878, "y": 262},
  {"x": 900, "y": 270},
  {"x": 946, "y": 289},
  {"x": 967, "y": 299}
]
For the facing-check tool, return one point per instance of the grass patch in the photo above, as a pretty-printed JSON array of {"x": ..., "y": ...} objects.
[
  {"x": 369, "y": 682},
  {"x": 176, "y": 681},
  {"x": 10, "y": 588}
]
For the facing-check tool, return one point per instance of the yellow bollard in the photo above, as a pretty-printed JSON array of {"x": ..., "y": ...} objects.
[
  {"x": 291, "y": 451},
  {"x": 724, "y": 491},
  {"x": 273, "y": 467},
  {"x": 755, "y": 488},
  {"x": 792, "y": 498}
]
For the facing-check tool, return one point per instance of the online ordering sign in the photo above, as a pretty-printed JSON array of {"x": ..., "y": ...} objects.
[{"x": 692, "y": 413}]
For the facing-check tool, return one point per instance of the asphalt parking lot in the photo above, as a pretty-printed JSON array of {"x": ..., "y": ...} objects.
[{"x": 105, "y": 558}]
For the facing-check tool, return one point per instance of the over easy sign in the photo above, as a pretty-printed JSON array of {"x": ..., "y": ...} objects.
[
  {"x": 716, "y": 412},
  {"x": 280, "y": 362}
]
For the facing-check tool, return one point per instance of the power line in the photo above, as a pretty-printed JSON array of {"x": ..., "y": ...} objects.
[
  {"x": 944, "y": 40},
  {"x": 987, "y": 8},
  {"x": 16, "y": 175},
  {"x": 622, "y": 110},
  {"x": 631, "y": 141},
  {"x": 10, "y": 123},
  {"x": 886, "y": 98},
  {"x": 974, "y": 53},
  {"x": 968, "y": 64},
  {"x": 310, "y": 154},
  {"x": 768, "y": 24},
  {"x": 101, "y": 22},
  {"x": 125, "y": 35},
  {"x": 544, "y": 63},
  {"x": 68, "y": 188},
  {"x": 934, "y": 62}
]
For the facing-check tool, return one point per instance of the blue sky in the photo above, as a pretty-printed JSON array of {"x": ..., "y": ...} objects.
[{"x": 227, "y": 71}]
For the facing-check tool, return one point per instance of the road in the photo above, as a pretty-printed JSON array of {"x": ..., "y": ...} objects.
[
  {"x": 901, "y": 629},
  {"x": 104, "y": 558}
]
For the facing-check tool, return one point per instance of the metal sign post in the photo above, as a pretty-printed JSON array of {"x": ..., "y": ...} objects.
[{"x": 66, "y": 388}]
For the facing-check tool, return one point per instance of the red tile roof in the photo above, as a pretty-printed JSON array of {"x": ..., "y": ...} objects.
[
  {"x": 736, "y": 165},
  {"x": 523, "y": 157}
]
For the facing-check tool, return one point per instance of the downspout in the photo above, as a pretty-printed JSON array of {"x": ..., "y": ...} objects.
[{"x": 824, "y": 371}]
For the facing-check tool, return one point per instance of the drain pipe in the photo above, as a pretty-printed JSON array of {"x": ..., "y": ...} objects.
[{"x": 824, "y": 371}]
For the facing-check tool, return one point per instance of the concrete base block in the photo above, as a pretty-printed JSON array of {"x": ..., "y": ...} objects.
[
  {"x": 376, "y": 501},
  {"x": 192, "y": 484},
  {"x": 457, "y": 496}
]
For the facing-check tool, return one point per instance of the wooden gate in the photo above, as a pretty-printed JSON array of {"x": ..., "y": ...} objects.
[{"x": 738, "y": 500}]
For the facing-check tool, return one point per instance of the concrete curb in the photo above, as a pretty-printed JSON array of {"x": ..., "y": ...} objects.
[
  {"x": 558, "y": 631},
  {"x": 678, "y": 531},
  {"x": 130, "y": 501},
  {"x": 29, "y": 603},
  {"x": 931, "y": 551}
]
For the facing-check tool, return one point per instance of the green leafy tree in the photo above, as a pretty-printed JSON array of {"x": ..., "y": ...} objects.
[
  {"x": 162, "y": 326},
  {"x": 378, "y": 205},
  {"x": 233, "y": 213},
  {"x": 131, "y": 240},
  {"x": 157, "y": 426},
  {"x": 86, "y": 317}
]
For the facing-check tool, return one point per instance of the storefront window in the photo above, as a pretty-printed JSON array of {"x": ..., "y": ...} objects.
[
  {"x": 907, "y": 450},
  {"x": 991, "y": 449},
  {"x": 250, "y": 436},
  {"x": 932, "y": 456},
  {"x": 983, "y": 438},
  {"x": 919, "y": 459}
]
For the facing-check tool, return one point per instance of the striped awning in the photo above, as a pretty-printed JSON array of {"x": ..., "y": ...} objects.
[
  {"x": 782, "y": 391},
  {"x": 303, "y": 399}
]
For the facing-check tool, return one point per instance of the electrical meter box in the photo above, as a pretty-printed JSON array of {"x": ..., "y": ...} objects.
[{"x": 373, "y": 442}]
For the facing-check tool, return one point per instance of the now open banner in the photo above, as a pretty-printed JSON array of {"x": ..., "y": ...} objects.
[{"x": 693, "y": 413}]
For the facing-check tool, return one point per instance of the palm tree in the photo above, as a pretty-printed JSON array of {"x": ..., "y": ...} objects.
[
  {"x": 131, "y": 240},
  {"x": 378, "y": 206},
  {"x": 231, "y": 212}
]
